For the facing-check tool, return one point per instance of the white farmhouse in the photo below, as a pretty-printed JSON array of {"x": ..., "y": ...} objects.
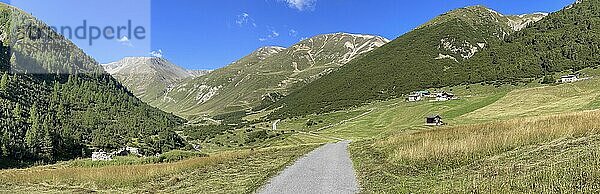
[
  {"x": 445, "y": 96},
  {"x": 101, "y": 155},
  {"x": 569, "y": 78},
  {"x": 414, "y": 97}
]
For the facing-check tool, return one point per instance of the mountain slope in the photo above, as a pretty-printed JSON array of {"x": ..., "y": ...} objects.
[
  {"x": 57, "y": 103},
  {"x": 564, "y": 41},
  {"x": 433, "y": 55},
  {"x": 148, "y": 77},
  {"x": 266, "y": 74}
]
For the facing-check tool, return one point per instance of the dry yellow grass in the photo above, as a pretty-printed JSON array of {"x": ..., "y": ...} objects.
[
  {"x": 117, "y": 176},
  {"x": 229, "y": 172},
  {"x": 489, "y": 138},
  {"x": 544, "y": 154}
]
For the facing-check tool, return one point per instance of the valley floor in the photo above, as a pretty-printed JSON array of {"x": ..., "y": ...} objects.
[{"x": 509, "y": 139}]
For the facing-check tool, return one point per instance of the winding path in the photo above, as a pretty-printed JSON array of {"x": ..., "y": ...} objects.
[{"x": 328, "y": 169}]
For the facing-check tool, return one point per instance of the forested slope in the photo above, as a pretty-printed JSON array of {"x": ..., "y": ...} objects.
[
  {"x": 565, "y": 40},
  {"x": 57, "y": 103}
]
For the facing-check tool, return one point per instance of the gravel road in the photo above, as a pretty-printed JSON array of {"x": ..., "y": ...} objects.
[{"x": 328, "y": 169}]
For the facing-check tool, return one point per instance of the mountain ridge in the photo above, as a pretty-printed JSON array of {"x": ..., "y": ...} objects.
[
  {"x": 268, "y": 70},
  {"x": 435, "y": 54},
  {"x": 146, "y": 76}
]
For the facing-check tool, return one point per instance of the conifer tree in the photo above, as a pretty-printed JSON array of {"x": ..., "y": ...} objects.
[
  {"x": 5, "y": 144},
  {"x": 47, "y": 147},
  {"x": 4, "y": 82},
  {"x": 32, "y": 135}
]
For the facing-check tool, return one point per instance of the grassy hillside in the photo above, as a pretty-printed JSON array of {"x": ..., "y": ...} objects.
[
  {"x": 469, "y": 45},
  {"x": 265, "y": 75},
  {"x": 542, "y": 101},
  {"x": 541, "y": 154},
  {"x": 380, "y": 119},
  {"x": 526, "y": 138}
]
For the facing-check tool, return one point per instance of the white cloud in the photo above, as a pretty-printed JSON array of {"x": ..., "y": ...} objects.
[
  {"x": 244, "y": 19},
  {"x": 293, "y": 33},
  {"x": 301, "y": 4},
  {"x": 125, "y": 41},
  {"x": 158, "y": 53},
  {"x": 272, "y": 35}
]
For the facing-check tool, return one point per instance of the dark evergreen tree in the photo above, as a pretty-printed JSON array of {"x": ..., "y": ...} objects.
[
  {"x": 548, "y": 79},
  {"x": 47, "y": 144},
  {"x": 32, "y": 135},
  {"x": 4, "y": 82}
]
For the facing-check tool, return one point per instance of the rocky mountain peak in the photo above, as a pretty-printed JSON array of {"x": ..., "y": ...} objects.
[
  {"x": 518, "y": 22},
  {"x": 267, "y": 51}
]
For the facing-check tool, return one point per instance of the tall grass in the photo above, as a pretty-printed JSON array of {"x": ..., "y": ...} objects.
[
  {"x": 463, "y": 144},
  {"x": 228, "y": 172},
  {"x": 110, "y": 176},
  {"x": 171, "y": 156},
  {"x": 545, "y": 154}
]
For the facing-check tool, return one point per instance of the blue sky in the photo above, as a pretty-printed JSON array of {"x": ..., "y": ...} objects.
[{"x": 211, "y": 34}]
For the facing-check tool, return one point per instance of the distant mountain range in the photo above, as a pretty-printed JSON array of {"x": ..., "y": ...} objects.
[
  {"x": 149, "y": 77},
  {"x": 335, "y": 71},
  {"x": 264, "y": 74}
]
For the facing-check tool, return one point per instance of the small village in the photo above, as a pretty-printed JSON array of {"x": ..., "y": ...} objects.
[
  {"x": 447, "y": 96},
  {"x": 436, "y": 120},
  {"x": 433, "y": 97},
  {"x": 105, "y": 156},
  {"x": 102, "y": 155},
  {"x": 433, "y": 120}
]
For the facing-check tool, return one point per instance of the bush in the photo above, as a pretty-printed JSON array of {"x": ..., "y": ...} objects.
[
  {"x": 548, "y": 80},
  {"x": 311, "y": 123},
  {"x": 258, "y": 136},
  {"x": 172, "y": 156},
  {"x": 177, "y": 155}
]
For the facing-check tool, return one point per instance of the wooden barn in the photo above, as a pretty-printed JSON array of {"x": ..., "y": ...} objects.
[{"x": 434, "y": 120}]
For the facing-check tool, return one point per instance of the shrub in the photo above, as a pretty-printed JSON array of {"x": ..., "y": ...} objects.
[
  {"x": 177, "y": 155},
  {"x": 311, "y": 123},
  {"x": 548, "y": 80},
  {"x": 258, "y": 136}
]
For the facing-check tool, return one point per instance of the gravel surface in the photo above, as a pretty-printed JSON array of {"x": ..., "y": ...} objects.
[{"x": 325, "y": 170}]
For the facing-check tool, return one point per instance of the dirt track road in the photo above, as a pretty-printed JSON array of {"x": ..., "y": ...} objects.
[{"x": 328, "y": 169}]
